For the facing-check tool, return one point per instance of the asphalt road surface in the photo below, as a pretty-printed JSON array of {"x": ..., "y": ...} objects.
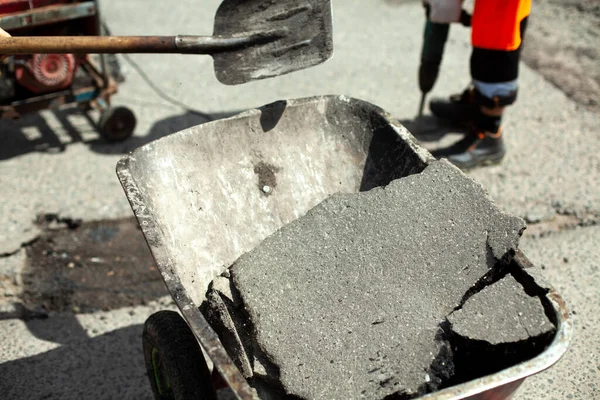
[{"x": 54, "y": 163}]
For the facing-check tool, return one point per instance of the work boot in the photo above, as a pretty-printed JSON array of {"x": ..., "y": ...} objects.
[
  {"x": 458, "y": 109},
  {"x": 474, "y": 150}
]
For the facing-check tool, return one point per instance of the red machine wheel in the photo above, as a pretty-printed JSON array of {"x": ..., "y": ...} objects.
[
  {"x": 53, "y": 70},
  {"x": 116, "y": 123}
]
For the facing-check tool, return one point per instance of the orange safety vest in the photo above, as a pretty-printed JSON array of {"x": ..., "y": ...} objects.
[{"x": 496, "y": 24}]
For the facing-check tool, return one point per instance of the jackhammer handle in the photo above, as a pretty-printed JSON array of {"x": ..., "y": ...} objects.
[{"x": 130, "y": 44}]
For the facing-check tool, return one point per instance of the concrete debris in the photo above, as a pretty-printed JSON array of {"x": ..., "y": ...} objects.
[{"x": 346, "y": 302}]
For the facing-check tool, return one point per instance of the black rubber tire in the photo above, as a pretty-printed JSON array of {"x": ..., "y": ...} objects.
[
  {"x": 117, "y": 124},
  {"x": 175, "y": 364}
]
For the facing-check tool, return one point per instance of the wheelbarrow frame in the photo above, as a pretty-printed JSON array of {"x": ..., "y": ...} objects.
[{"x": 412, "y": 159}]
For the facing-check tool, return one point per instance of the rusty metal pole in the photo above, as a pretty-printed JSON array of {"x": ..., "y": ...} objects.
[
  {"x": 134, "y": 44},
  {"x": 87, "y": 44}
]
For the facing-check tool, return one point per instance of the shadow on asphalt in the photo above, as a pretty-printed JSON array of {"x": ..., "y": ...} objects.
[
  {"x": 160, "y": 129},
  {"x": 439, "y": 138},
  {"x": 82, "y": 267},
  {"x": 109, "y": 366},
  {"x": 32, "y": 134},
  {"x": 429, "y": 128}
]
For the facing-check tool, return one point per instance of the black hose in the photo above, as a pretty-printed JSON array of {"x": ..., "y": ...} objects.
[{"x": 159, "y": 92}]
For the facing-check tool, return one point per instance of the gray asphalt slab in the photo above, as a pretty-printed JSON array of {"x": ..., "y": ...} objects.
[
  {"x": 418, "y": 246},
  {"x": 54, "y": 163}
]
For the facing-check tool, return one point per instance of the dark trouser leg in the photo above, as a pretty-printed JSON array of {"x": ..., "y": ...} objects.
[{"x": 498, "y": 29}]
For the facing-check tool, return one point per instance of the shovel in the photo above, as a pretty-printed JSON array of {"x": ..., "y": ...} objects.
[{"x": 252, "y": 39}]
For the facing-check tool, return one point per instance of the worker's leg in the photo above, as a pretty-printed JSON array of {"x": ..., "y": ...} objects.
[{"x": 498, "y": 27}]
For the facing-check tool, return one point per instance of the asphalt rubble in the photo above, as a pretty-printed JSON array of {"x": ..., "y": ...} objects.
[{"x": 387, "y": 294}]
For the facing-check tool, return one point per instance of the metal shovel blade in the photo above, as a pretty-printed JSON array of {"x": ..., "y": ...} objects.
[{"x": 302, "y": 32}]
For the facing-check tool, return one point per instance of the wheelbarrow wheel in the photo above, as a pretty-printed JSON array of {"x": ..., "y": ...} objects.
[
  {"x": 116, "y": 123},
  {"x": 175, "y": 364}
]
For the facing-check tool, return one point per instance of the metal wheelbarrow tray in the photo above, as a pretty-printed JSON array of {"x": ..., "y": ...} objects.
[{"x": 208, "y": 194}]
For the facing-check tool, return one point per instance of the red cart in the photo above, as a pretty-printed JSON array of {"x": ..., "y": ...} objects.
[{"x": 36, "y": 82}]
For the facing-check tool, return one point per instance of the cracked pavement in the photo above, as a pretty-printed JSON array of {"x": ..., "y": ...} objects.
[{"x": 55, "y": 163}]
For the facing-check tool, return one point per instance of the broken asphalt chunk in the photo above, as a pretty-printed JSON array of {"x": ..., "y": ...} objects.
[
  {"x": 501, "y": 313},
  {"x": 347, "y": 301}
]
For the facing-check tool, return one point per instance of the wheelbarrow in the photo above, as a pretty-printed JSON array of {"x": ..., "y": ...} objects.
[{"x": 208, "y": 194}]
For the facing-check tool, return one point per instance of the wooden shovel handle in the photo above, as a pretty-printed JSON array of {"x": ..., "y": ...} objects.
[
  {"x": 134, "y": 44},
  {"x": 87, "y": 44}
]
